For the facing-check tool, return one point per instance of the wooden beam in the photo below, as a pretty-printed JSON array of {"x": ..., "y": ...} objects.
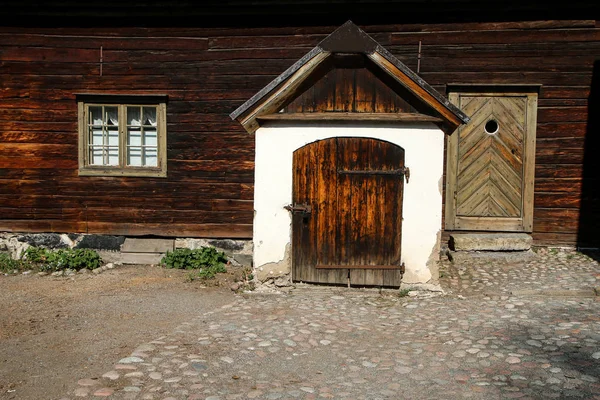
[
  {"x": 414, "y": 87},
  {"x": 349, "y": 116},
  {"x": 230, "y": 231}
]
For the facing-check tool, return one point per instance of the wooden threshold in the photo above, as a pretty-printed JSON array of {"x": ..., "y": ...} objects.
[
  {"x": 321, "y": 266},
  {"x": 342, "y": 116}
]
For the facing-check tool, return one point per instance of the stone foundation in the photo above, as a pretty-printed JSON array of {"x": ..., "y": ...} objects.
[
  {"x": 111, "y": 248},
  {"x": 238, "y": 251}
]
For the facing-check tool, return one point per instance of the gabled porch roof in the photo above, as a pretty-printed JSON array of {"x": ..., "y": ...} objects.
[{"x": 347, "y": 39}]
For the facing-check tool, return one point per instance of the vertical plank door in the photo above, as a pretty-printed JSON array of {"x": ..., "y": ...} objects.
[{"x": 353, "y": 232}]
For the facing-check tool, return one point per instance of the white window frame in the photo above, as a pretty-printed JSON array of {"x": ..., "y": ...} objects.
[{"x": 86, "y": 168}]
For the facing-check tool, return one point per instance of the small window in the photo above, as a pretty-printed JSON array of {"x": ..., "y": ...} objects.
[{"x": 122, "y": 139}]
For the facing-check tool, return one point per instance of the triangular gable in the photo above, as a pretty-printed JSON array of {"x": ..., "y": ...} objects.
[
  {"x": 350, "y": 90},
  {"x": 347, "y": 39}
]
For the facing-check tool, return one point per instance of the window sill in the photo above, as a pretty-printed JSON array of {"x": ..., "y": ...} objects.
[{"x": 139, "y": 172}]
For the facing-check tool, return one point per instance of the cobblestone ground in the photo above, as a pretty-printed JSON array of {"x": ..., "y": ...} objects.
[{"x": 497, "y": 332}]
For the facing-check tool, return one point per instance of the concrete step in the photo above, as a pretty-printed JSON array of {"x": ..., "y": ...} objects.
[
  {"x": 141, "y": 245},
  {"x": 490, "y": 241},
  {"x": 130, "y": 258},
  {"x": 461, "y": 257},
  {"x": 141, "y": 258}
]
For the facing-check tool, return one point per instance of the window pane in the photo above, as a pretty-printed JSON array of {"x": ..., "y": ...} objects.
[
  {"x": 133, "y": 116},
  {"x": 113, "y": 136},
  {"x": 150, "y": 158},
  {"x": 113, "y": 156},
  {"x": 150, "y": 137},
  {"x": 134, "y": 156},
  {"x": 134, "y": 138},
  {"x": 96, "y": 136},
  {"x": 111, "y": 114},
  {"x": 96, "y": 156},
  {"x": 149, "y": 116},
  {"x": 95, "y": 116}
]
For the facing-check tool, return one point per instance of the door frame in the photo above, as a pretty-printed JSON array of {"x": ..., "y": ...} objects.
[{"x": 525, "y": 223}]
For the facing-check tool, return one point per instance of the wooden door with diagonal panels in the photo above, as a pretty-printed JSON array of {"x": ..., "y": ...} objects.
[
  {"x": 347, "y": 212},
  {"x": 490, "y": 163}
]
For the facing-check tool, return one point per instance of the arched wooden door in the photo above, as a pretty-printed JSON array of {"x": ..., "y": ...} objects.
[{"x": 347, "y": 212}]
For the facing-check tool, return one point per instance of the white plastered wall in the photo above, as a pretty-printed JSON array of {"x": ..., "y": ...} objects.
[{"x": 422, "y": 205}]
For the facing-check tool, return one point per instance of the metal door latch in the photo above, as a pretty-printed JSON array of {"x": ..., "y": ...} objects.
[{"x": 299, "y": 208}]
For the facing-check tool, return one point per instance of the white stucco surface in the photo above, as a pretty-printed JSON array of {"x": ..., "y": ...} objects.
[{"x": 422, "y": 205}]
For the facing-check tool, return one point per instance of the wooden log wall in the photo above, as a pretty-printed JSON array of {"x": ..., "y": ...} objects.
[{"x": 207, "y": 73}]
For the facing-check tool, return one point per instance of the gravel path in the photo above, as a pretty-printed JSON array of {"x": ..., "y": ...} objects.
[{"x": 497, "y": 332}]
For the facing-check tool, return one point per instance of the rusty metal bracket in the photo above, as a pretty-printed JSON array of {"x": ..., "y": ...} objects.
[
  {"x": 299, "y": 208},
  {"x": 402, "y": 171}
]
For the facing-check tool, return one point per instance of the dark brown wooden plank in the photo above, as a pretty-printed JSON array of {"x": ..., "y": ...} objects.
[
  {"x": 558, "y": 171},
  {"x": 328, "y": 246},
  {"x": 253, "y": 42},
  {"x": 567, "y": 225},
  {"x": 554, "y": 239},
  {"x": 562, "y": 115},
  {"x": 364, "y": 99},
  {"x": 557, "y": 200},
  {"x": 561, "y": 185},
  {"x": 505, "y": 36},
  {"x": 557, "y": 155},
  {"x": 558, "y": 129},
  {"x": 345, "y": 204},
  {"x": 488, "y": 26},
  {"x": 480, "y": 63},
  {"x": 514, "y": 78},
  {"x": 310, "y": 244},
  {"x": 349, "y": 116},
  {"x": 108, "y": 43},
  {"x": 240, "y": 231},
  {"x": 570, "y": 214},
  {"x": 31, "y": 137},
  {"x": 559, "y": 92}
]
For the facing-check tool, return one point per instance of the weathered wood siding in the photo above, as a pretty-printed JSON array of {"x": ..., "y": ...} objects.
[
  {"x": 207, "y": 73},
  {"x": 349, "y": 90}
]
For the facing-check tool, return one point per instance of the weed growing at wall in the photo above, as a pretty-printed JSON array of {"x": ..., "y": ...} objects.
[
  {"x": 38, "y": 258},
  {"x": 58, "y": 260},
  {"x": 206, "y": 260},
  {"x": 8, "y": 264}
]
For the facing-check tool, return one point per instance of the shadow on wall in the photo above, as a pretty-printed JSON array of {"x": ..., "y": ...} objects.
[{"x": 588, "y": 235}]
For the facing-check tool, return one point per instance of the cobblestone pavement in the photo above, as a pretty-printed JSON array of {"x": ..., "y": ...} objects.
[{"x": 497, "y": 332}]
